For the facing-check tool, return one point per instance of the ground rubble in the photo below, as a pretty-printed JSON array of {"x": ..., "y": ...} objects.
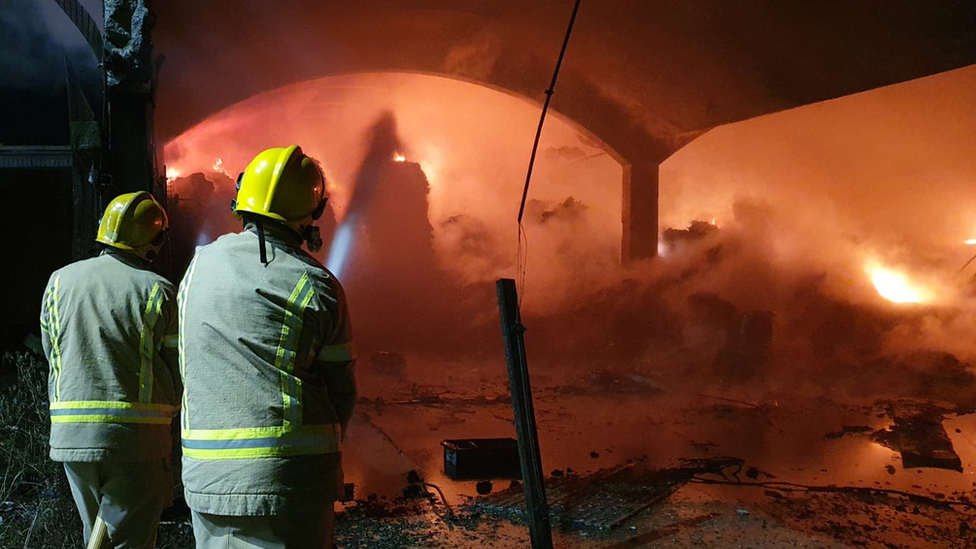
[
  {"x": 672, "y": 471},
  {"x": 718, "y": 502}
]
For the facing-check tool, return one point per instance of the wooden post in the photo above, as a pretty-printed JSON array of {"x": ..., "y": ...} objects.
[{"x": 537, "y": 509}]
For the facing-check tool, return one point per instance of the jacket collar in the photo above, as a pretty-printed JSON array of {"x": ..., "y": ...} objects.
[
  {"x": 129, "y": 259},
  {"x": 276, "y": 233}
]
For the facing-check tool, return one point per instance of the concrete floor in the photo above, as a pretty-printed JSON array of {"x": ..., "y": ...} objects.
[{"x": 589, "y": 422}]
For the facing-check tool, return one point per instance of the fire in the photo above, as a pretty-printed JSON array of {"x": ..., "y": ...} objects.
[
  {"x": 895, "y": 286},
  {"x": 399, "y": 158},
  {"x": 218, "y": 166},
  {"x": 171, "y": 174},
  {"x": 971, "y": 242}
]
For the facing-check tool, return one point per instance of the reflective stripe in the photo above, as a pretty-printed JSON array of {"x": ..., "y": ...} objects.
[
  {"x": 55, "y": 322},
  {"x": 291, "y": 330},
  {"x": 291, "y": 398},
  {"x": 260, "y": 442},
  {"x": 97, "y": 411},
  {"x": 181, "y": 305},
  {"x": 337, "y": 353},
  {"x": 171, "y": 341},
  {"x": 147, "y": 343},
  {"x": 292, "y": 326}
]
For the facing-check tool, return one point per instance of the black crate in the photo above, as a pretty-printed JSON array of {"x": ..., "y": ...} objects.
[{"x": 481, "y": 458}]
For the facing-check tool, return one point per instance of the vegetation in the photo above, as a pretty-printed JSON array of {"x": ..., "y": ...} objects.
[{"x": 36, "y": 509}]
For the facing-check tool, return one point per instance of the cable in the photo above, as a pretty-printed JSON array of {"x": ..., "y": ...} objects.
[{"x": 535, "y": 146}]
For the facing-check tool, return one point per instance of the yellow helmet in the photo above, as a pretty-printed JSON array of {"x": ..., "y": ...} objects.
[
  {"x": 134, "y": 222},
  {"x": 282, "y": 184}
]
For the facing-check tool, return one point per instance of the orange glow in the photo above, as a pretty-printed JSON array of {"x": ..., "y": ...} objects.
[
  {"x": 172, "y": 174},
  {"x": 971, "y": 242},
  {"x": 474, "y": 177},
  {"x": 895, "y": 285}
]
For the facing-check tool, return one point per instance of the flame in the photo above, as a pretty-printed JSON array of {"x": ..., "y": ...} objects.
[
  {"x": 971, "y": 242},
  {"x": 218, "y": 166},
  {"x": 171, "y": 174},
  {"x": 895, "y": 286},
  {"x": 399, "y": 158}
]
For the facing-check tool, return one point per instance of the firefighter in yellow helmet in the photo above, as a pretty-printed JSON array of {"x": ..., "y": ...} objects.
[
  {"x": 108, "y": 328},
  {"x": 267, "y": 358}
]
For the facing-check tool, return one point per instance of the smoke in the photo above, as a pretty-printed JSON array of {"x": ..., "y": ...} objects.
[
  {"x": 772, "y": 288},
  {"x": 813, "y": 203},
  {"x": 35, "y": 37},
  {"x": 36, "y": 40},
  {"x": 381, "y": 147}
]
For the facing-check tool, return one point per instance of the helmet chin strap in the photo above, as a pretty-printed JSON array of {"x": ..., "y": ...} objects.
[
  {"x": 261, "y": 242},
  {"x": 312, "y": 237}
]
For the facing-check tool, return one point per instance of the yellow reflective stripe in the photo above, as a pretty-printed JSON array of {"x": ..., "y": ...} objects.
[
  {"x": 337, "y": 353},
  {"x": 292, "y": 326},
  {"x": 171, "y": 341},
  {"x": 291, "y": 329},
  {"x": 55, "y": 322},
  {"x": 260, "y": 442},
  {"x": 147, "y": 343},
  {"x": 181, "y": 305},
  {"x": 111, "y": 418},
  {"x": 120, "y": 405},
  {"x": 99, "y": 411}
]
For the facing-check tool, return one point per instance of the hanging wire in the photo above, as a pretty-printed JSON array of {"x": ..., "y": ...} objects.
[
  {"x": 523, "y": 250},
  {"x": 963, "y": 268}
]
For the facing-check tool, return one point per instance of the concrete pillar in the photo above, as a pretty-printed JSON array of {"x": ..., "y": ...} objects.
[{"x": 640, "y": 211}]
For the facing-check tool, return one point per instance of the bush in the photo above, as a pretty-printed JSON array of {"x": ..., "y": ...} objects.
[{"x": 36, "y": 509}]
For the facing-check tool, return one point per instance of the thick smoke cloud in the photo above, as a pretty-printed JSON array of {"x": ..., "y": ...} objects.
[
  {"x": 813, "y": 198},
  {"x": 774, "y": 294},
  {"x": 383, "y": 144}
]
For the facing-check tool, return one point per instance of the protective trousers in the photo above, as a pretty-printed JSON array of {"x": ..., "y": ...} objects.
[
  {"x": 306, "y": 527},
  {"x": 130, "y": 497}
]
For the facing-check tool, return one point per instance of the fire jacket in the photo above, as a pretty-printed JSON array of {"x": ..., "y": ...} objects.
[
  {"x": 108, "y": 328},
  {"x": 267, "y": 359}
]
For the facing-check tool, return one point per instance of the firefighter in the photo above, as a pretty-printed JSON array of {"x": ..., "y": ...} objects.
[
  {"x": 266, "y": 354},
  {"x": 108, "y": 328}
]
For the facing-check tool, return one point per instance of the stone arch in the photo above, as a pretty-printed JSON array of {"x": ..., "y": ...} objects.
[
  {"x": 607, "y": 127},
  {"x": 644, "y": 77}
]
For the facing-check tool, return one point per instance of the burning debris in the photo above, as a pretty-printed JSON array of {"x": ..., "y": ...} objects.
[
  {"x": 697, "y": 231},
  {"x": 919, "y": 436}
]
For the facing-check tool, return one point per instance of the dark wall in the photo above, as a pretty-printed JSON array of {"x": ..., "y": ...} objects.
[
  {"x": 36, "y": 240},
  {"x": 36, "y": 222}
]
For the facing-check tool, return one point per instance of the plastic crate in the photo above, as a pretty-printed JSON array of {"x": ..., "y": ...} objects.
[{"x": 481, "y": 458}]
